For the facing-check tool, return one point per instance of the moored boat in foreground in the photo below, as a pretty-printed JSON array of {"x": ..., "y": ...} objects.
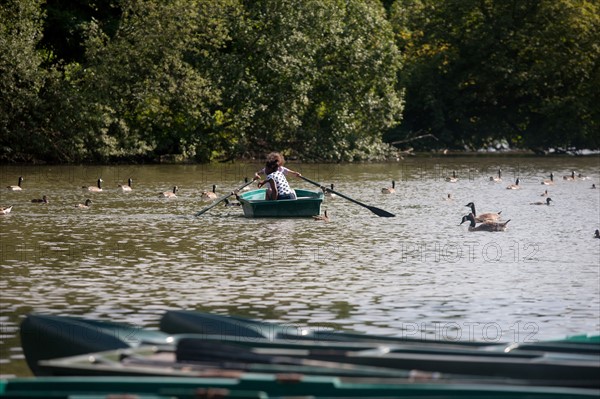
[
  {"x": 195, "y": 356},
  {"x": 259, "y": 386},
  {"x": 48, "y": 336},
  {"x": 209, "y": 343}
]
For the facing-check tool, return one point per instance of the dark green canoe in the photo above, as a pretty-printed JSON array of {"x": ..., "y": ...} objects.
[
  {"x": 187, "y": 361},
  {"x": 48, "y": 337},
  {"x": 267, "y": 386},
  {"x": 186, "y": 321},
  {"x": 255, "y": 206}
]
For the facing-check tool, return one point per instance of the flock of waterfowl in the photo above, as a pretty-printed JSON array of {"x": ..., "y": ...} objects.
[
  {"x": 491, "y": 221},
  {"x": 207, "y": 195}
]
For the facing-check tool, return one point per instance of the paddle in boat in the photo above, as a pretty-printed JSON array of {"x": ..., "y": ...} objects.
[{"x": 308, "y": 204}]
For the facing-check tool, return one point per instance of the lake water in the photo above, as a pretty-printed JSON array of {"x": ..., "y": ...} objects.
[{"x": 132, "y": 256}]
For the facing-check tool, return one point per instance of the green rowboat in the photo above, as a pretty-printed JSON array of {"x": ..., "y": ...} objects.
[
  {"x": 255, "y": 206},
  {"x": 266, "y": 386},
  {"x": 194, "y": 322},
  {"x": 47, "y": 337}
]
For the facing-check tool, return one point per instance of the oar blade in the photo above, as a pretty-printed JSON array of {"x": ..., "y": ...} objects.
[
  {"x": 381, "y": 212},
  {"x": 377, "y": 211}
]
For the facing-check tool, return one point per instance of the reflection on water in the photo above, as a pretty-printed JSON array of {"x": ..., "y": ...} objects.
[{"x": 131, "y": 256}]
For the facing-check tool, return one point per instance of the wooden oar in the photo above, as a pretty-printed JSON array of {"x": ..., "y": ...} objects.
[
  {"x": 377, "y": 211},
  {"x": 223, "y": 198}
]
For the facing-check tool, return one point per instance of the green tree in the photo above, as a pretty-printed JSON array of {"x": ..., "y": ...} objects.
[
  {"x": 147, "y": 90},
  {"x": 317, "y": 80},
  {"x": 65, "y": 24},
  {"x": 21, "y": 78},
  {"x": 204, "y": 79},
  {"x": 524, "y": 71}
]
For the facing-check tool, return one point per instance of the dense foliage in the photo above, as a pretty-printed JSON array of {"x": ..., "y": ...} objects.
[
  {"x": 523, "y": 71},
  {"x": 136, "y": 80}
]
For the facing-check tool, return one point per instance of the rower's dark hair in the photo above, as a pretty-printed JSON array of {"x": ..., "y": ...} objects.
[
  {"x": 272, "y": 164},
  {"x": 276, "y": 156}
]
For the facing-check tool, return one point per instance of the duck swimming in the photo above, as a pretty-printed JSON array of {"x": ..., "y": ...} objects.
[
  {"x": 126, "y": 188},
  {"x": 487, "y": 226},
  {"x": 169, "y": 194},
  {"x": 570, "y": 177},
  {"x": 43, "y": 200},
  {"x": 484, "y": 217},
  {"x": 582, "y": 177},
  {"x": 229, "y": 203},
  {"x": 86, "y": 205},
  {"x": 322, "y": 217},
  {"x": 95, "y": 189},
  {"x": 453, "y": 178},
  {"x": 5, "y": 211},
  {"x": 247, "y": 188},
  {"x": 389, "y": 190},
  {"x": 549, "y": 182},
  {"x": 547, "y": 202},
  {"x": 514, "y": 186},
  {"x": 17, "y": 187},
  {"x": 497, "y": 179},
  {"x": 208, "y": 195},
  {"x": 328, "y": 193}
]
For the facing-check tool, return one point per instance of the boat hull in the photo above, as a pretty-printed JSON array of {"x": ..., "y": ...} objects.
[
  {"x": 268, "y": 386},
  {"x": 255, "y": 206}
]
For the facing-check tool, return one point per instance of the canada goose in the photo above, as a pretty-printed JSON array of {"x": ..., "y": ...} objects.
[
  {"x": 488, "y": 226},
  {"x": 549, "y": 182},
  {"x": 43, "y": 200},
  {"x": 597, "y": 234},
  {"x": 582, "y": 177},
  {"x": 593, "y": 187},
  {"x": 210, "y": 194},
  {"x": 570, "y": 177},
  {"x": 322, "y": 217},
  {"x": 547, "y": 202},
  {"x": 5, "y": 211},
  {"x": 17, "y": 187},
  {"x": 449, "y": 198},
  {"x": 484, "y": 217},
  {"x": 229, "y": 203},
  {"x": 95, "y": 189},
  {"x": 389, "y": 190},
  {"x": 514, "y": 186},
  {"x": 126, "y": 188},
  {"x": 497, "y": 179},
  {"x": 88, "y": 203},
  {"x": 453, "y": 178},
  {"x": 328, "y": 192},
  {"x": 247, "y": 188},
  {"x": 169, "y": 194},
  {"x": 544, "y": 194}
]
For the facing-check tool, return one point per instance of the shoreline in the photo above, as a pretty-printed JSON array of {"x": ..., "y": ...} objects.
[{"x": 175, "y": 159}]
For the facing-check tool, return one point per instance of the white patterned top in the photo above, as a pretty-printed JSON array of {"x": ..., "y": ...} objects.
[{"x": 283, "y": 187}]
